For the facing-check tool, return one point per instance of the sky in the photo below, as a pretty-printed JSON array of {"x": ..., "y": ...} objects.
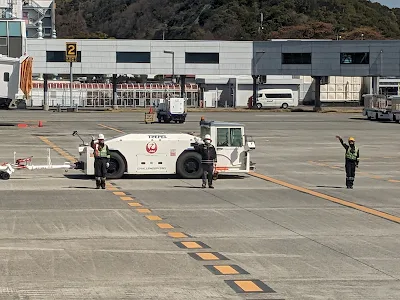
[{"x": 390, "y": 3}]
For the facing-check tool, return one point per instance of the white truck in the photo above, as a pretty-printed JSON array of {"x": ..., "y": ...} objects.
[
  {"x": 376, "y": 107},
  {"x": 172, "y": 109},
  {"x": 172, "y": 153},
  {"x": 15, "y": 80}
]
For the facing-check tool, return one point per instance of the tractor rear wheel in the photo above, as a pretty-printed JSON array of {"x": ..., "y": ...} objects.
[{"x": 188, "y": 165}]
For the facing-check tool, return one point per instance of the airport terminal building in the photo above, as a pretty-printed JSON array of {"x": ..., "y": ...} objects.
[{"x": 225, "y": 71}]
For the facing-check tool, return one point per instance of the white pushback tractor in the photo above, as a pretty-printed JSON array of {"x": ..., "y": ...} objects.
[{"x": 172, "y": 153}]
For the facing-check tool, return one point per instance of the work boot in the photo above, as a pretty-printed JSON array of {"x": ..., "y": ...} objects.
[
  {"x": 103, "y": 183},
  {"x": 211, "y": 186},
  {"x": 98, "y": 184},
  {"x": 203, "y": 186}
]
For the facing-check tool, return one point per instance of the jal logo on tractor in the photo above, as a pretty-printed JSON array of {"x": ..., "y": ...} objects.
[{"x": 151, "y": 147}]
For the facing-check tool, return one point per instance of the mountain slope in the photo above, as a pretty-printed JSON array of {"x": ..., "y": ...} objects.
[{"x": 226, "y": 19}]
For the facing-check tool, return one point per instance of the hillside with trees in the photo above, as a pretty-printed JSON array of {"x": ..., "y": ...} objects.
[{"x": 226, "y": 19}]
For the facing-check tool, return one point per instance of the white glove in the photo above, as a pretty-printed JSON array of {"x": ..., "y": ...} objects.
[{"x": 108, "y": 165}]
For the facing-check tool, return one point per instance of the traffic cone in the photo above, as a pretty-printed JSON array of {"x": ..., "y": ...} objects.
[
  {"x": 151, "y": 110},
  {"x": 40, "y": 124}
]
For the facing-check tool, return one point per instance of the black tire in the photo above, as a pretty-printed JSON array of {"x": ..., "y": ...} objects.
[
  {"x": 188, "y": 165},
  {"x": 376, "y": 117},
  {"x": 5, "y": 175},
  {"x": 285, "y": 105},
  {"x": 117, "y": 166},
  {"x": 259, "y": 105},
  {"x": 181, "y": 121}
]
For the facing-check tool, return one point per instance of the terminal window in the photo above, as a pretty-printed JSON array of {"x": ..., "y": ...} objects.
[
  {"x": 201, "y": 58},
  {"x": 359, "y": 58},
  {"x": 296, "y": 58},
  {"x": 59, "y": 56},
  {"x": 134, "y": 57}
]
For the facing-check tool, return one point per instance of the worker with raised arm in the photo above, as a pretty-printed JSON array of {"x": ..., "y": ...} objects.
[
  {"x": 352, "y": 158},
  {"x": 208, "y": 158},
  {"x": 101, "y": 161}
]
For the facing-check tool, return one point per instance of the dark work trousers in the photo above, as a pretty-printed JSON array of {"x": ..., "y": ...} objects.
[
  {"x": 207, "y": 173},
  {"x": 100, "y": 168},
  {"x": 350, "y": 172}
]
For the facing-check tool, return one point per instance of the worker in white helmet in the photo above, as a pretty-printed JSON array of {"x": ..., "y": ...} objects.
[
  {"x": 208, "y": 158},
  {"x": 101, "y": 161}
]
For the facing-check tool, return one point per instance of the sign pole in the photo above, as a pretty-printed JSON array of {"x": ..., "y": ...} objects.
[
  {"x": 71, "y": 78},
  {"x": 71, "y": 55}
]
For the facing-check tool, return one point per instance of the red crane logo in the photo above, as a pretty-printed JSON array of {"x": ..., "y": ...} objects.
[{"x": 151, "y": 147}]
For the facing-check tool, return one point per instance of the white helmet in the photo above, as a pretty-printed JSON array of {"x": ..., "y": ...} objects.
[
  {"x": 207, "y": 138},
  {"x": 101, "y": 136}
]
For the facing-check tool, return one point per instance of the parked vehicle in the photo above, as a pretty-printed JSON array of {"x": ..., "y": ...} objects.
[
  {"x": 276, "y": 98},
  {"x": 172, "y": 109},
  {"x": 377, "y": 107},
  {"x": 15, "y": 80}
]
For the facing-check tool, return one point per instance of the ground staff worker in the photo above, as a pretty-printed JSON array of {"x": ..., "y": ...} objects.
[
  {"x": 208, "y": 157},
  {"x": 101, "y": 161},
  {"x": 352, "y": 157}
]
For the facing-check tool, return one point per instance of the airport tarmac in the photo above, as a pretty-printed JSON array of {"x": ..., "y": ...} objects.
[{"x": 288, "y": 230}]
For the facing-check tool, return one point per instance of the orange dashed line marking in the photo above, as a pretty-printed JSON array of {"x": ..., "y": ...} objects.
[
  {"x": 177, "y": 235},
  {"x": 126, "y": 198},
  {"x": 248, "y": 286},
  {"x": 164, "y": 225},
  {"x": 135, "y": 204},
  {"x": 143, "y": 210},
  {"x": 119, "y": 193},
  {"x": 154, "y": 218}
]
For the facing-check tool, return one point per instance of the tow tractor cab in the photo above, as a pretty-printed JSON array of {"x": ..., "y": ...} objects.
[{"x": 173, "y": 153}]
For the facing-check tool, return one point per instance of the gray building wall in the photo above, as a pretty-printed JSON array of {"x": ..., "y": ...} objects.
[
  {"x": 234, "y": 57},
  {"x": 326, "y": 58}
]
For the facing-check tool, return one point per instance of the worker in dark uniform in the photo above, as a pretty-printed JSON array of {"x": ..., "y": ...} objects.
[
  {"x": 208, "y": 157},
  {"x": 101, "y": 161},
  {"x": 352, "y": 157}
]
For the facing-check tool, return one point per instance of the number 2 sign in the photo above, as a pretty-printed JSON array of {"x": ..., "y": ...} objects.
[{"x": 71, "y": 53}]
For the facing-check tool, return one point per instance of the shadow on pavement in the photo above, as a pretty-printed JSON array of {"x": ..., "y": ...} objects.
[
  {"x": 330, "y": 187},
  {"x": 86, "y": 177}
]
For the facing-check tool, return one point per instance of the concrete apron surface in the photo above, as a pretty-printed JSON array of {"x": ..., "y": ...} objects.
[{"x": 288, "y": 230}]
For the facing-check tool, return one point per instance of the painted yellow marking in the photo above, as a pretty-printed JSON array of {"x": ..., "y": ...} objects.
[
  {"x": 177, "y": 235},
  {"x": 226, "y": 270},
  {"x": 191, "y": 245},
  {"x": 108, "y": 127},
  {"x": 394, "y": 181},
  {"x": 207, "y": 256},
  {"x": 111, "y": 188},
  {"x": 55, "y": 148},
  {"x": 119, "y": 193},
  {"x": 126, "y": 198},
  {"x": 376, "y": 177},
  {"x": 143, "y": 210},
  {"x": 330, "y": 198},
  {"x": 135, "y": 204},
  {"x": 164, "y": 225},
  {"x": 248, "y": 286},
  {"x": 154, "y": 218}
]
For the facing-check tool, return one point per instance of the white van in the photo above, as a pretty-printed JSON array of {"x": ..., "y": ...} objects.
[{"x": 276, "y": 98}]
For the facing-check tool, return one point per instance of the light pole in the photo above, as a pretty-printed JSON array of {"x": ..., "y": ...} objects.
[{"x": 173, "y": 62}]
